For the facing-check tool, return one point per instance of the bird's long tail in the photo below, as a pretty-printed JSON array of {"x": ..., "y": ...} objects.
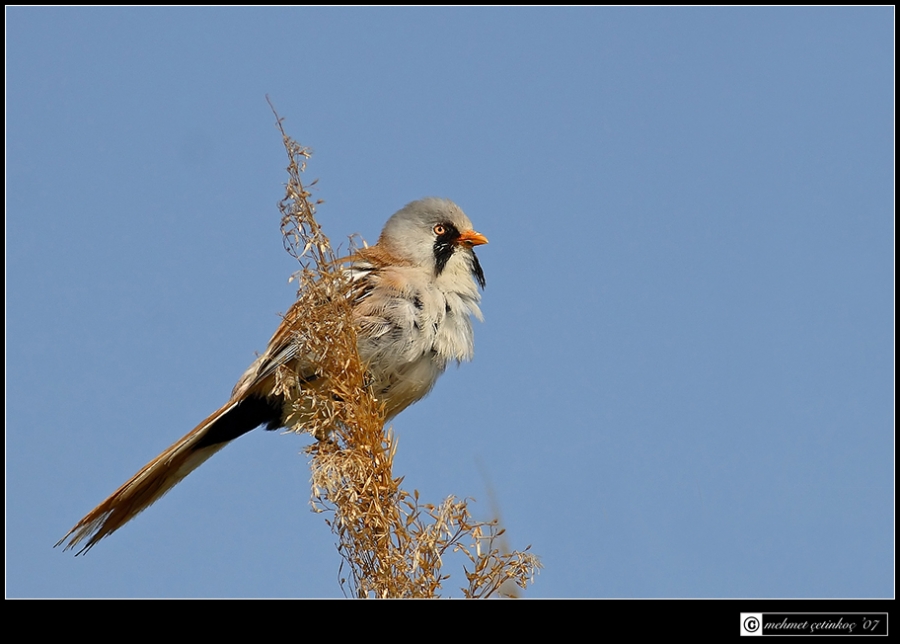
[{"x": 161, "y": 474}]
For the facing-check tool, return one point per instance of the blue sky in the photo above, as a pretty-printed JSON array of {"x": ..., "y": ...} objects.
[{"x": 683, "y": 386}]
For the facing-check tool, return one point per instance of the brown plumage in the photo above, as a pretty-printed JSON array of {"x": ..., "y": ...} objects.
[{"x": 413, "y": 295}]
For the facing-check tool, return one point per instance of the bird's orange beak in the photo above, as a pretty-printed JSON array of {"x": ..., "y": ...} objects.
[{"x": 471, "y": 238}]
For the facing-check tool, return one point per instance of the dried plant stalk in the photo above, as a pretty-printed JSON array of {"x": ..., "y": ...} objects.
[{"x": 391, "y": 545}]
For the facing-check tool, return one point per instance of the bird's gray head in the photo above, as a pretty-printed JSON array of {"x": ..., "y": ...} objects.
[{"x": 433, "y": 230}]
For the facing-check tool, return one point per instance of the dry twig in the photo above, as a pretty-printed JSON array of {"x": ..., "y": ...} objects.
[{"x": 392, "y": 545}]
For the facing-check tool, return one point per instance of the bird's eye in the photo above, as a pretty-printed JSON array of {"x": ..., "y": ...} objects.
[{"x": 440, "y": 229}]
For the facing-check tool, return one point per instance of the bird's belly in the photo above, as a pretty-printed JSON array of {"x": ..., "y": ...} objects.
[{"x": 407, "y": 383}]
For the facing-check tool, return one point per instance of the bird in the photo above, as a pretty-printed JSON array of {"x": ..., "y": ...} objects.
[{"x": 415, "y": 294}]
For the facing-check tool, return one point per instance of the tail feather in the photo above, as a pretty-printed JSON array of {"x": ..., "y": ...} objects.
[{"x": 166, "y": 470}]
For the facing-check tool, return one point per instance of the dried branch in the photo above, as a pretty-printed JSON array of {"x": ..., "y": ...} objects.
[{"x": 391, "y": 544}]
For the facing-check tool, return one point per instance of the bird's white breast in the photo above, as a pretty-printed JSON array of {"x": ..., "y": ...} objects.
[{"x": 411, "y": 326}]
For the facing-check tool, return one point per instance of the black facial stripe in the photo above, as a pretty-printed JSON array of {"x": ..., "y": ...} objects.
[
  {"x": 477, "y": 273},
  {"x": 444, "y": 246}
]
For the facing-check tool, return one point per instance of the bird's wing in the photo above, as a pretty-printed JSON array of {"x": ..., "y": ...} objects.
[{"x": 286, "y": 346}]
